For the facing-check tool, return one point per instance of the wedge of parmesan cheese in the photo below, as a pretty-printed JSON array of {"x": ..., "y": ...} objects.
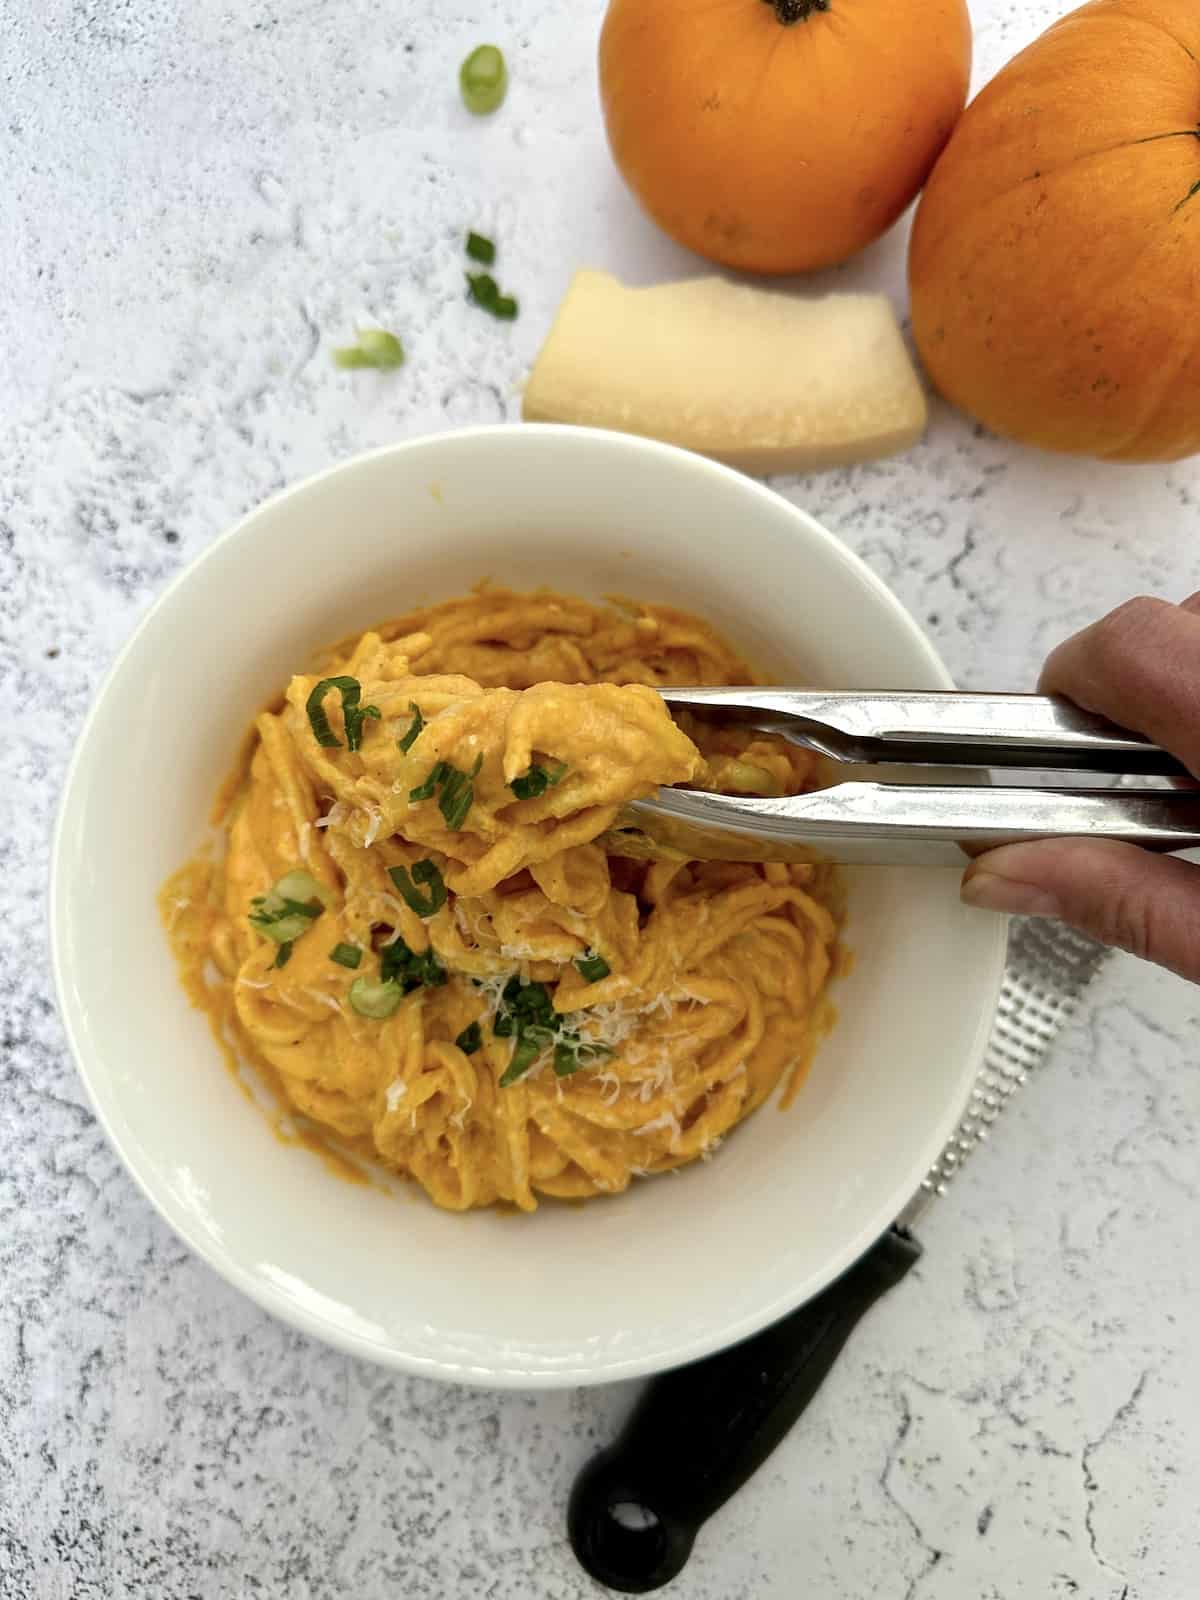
[{"x": 763, "y": 380}]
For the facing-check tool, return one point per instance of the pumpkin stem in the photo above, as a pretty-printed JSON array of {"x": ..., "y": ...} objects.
[{"x": 789, "y": 11}]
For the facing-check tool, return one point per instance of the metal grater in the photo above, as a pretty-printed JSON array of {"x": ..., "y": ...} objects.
[
  {"x": 1048, "y": 969},
  {"x": 698, "y": 1433}
]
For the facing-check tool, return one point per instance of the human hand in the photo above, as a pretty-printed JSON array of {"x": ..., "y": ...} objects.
[{"x": 1139, "y": 667}]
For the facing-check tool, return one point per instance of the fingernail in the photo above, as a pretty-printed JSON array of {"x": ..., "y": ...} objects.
[{"x": 991, "y": 891}]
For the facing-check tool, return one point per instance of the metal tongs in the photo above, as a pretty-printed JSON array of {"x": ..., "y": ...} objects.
[{"x": 920, "y": 824}]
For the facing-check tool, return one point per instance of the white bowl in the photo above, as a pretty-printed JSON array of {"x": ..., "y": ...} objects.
[{"x": 677, "y": 1266}]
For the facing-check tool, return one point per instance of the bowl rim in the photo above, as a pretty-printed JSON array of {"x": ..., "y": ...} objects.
[{"x": 222, "y": 1260}]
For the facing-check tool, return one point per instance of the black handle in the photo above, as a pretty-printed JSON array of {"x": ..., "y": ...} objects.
[{"x": 698, "y": 1433}]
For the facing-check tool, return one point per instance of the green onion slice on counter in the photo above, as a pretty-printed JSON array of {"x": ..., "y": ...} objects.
[
  {"x": 483, "y": 80},
  {"x": 485, "y": 292},
  {"x": 481, "y": 249},
  {"x": 376, "y": 348}
]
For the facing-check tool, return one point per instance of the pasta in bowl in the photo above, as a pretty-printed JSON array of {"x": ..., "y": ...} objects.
[
  {"x": 424, "y": 933},
  {"x": 629, "y": 1281}
]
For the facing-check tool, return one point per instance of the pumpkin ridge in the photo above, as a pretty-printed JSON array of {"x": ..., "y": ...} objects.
[
  {"x": 1124, "y": 14},
  {"x": 1044, "y": 173},
  {"x": 1160, "y": 27},
  {"x": 1052, "y": 263},
  {"x": 1090, "y": 155}
]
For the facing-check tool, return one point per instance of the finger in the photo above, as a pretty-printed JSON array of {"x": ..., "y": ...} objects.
[
  {"x": 1140, "y": 667},
  {"x": 1123, "y": 896},
  {"x": 1192, "y": 604}
]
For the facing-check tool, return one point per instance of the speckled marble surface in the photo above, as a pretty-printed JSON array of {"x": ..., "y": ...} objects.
[{"x": 198, "y": 200}]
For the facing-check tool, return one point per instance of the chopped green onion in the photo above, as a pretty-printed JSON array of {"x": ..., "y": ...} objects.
[
  {"x": 424, "y": 791},
  {"x": 592, "y": 967},
  {"x": 418, "y": 722},
  {"x": 529, "y": 1046},
  {"x": 352, "y": 713},
  {"x": 527, "y": 1012},
  {"x": 346, "y": 955},
  {"x": 349, "y": 357},
  {"x": 458, "y": 795},
  {"x": 485, "y": 291},
  {"x": 537, "y": 780},
  {"x": 571, "y": 1053},
  {"x": 470, "y": 1039},
  {"x": 285, "y": 928},
  {"x": 297, "y": 884},
  {"x": 283, "y": 955},
  {"x": 481, "y": 249},
  {"x": 375, "y": 1000},
  {"x": 289, "y": 907},
  {"x": 423, "y": 872},
  {"x": 566, "y": 1060},
  {"x": 456, "y": 789},
  {"x": 525, "y": 1004},
  {"x": 375, "y": 348},
  {"x": 399, "y": 964},
  {"x": 483, "y": 80}
]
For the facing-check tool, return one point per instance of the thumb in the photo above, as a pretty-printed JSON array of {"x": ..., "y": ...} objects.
[{"x": 1123, "y": 896}]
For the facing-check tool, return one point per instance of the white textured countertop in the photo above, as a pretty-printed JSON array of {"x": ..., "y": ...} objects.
[{"x": 198, "y": 200}]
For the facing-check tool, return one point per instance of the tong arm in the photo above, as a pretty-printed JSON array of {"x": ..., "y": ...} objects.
[
  {"x": 898, "y": 824},
  {"x": 933, "y": 728}
]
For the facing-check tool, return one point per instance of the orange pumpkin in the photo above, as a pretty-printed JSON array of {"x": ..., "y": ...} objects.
[
  {"x": 1055, "y": 259},
  {"x": 780, "y": 135}
]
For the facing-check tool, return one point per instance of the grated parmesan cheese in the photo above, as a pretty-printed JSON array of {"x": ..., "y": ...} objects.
[
  {"x": 491, "y": 989},
  {"x": 611, "y": 1085},
  {"x": 667, "y": 1122},
  {"x": 395, "y": 1093},
  {"x": 334, "y": 818},
  {"x": 322, "y": 998},
  {"x": 609, "y": 1024},
  {"x": 518, "y": 952},
  {"x": 373, "y": 826},
  {"x": 178, "y": 906},
  {"x": 663, "y": 1004}
]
